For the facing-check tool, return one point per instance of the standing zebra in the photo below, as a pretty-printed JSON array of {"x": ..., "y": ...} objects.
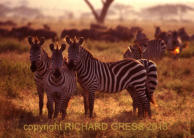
[
  {"x": 60, "y": 83},
  {"x": 151, "y": 68},
  {"x": 154, "y": 49},
  {"x": 39, "y": 65},
  {"x": 94, "y": 75}
]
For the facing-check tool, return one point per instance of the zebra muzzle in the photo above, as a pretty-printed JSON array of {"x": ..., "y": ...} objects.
[
  {"x": 57, "y": 73},
  {"x": 33, "y": 67},
  {"x": 71, "y": 65}
]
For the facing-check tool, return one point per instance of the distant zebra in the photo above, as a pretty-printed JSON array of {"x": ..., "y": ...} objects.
[
  {"x": 94, "y": 75},
  {"x": 154, "y": 49},
  {"x": 172, "y": 39},
  {"x": 60, "y": 83},
  {"x": 39, "y": 65}
]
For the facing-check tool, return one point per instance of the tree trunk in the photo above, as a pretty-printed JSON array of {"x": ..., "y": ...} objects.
[{"x": 100, "y": 18}]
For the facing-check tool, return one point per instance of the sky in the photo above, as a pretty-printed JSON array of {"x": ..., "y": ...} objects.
[{"x": 77, "y": 6}]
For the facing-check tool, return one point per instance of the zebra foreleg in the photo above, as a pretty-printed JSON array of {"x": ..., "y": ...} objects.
[
  {"x": 57, "y": 107},
  {"x": 50, "y": 108},
  {"x": 91, "y": 102},
  {"x": 40, "y": 91},
  {"x": 86, "y": 103},
  {"x": 64, "y": 107}
]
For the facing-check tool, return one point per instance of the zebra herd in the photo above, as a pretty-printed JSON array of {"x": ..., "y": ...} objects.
[{"x": 57, "y": 77}]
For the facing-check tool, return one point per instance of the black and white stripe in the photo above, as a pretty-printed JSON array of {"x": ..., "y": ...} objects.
[
  {"x": 94, "y": 75},
  {"x": 39, "y": 65},
  {"x": 60, "y": 83}
]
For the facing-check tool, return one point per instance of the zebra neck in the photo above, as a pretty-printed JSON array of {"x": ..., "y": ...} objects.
[{"x": 86, "y": 59}]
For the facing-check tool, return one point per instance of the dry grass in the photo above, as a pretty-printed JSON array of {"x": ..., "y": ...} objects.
[{"x": 174, "y": 116}]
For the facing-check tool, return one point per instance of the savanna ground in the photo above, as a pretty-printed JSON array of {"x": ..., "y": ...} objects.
[{"x": 174, "y": 116}]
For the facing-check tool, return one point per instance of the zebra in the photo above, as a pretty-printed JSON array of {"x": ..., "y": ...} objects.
[
  {"x": 60, "y": 83},
  {"x": 94, "y": 75},
  {"x": 154, "y": 49},
  {"x": 39, "y": 65},
  {"x": 151, "y": 68},
  {"x": 151, "y": 82},
  {"x": 172, "y": 39}
]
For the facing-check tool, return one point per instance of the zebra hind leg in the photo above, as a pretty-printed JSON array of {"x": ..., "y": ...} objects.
[
  {"x": 132, "y": 93},
  {"x": 41, "y": 99}
]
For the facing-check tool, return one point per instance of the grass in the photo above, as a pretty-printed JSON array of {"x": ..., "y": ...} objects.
[
  {"x": 174, "y": 95},
  {"x": 15, "y": 77},
  {"x": 12, "y": 45},
  {"x": 188, "y": 51}
]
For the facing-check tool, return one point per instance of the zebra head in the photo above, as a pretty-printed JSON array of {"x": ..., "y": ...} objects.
[
  {"x": 57, "y": 59},
  {"x": 35, "y": 52},
  {"x": 74, "y": 52}
]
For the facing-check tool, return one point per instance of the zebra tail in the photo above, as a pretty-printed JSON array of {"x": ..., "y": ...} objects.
[{"x": 152, "y": 100}]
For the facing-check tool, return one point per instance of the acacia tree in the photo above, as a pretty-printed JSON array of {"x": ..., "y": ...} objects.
[{"x": 105, "y": 6}]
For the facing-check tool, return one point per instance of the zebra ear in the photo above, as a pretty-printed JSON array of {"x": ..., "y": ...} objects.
[
  {"x": 129, "y": 47},
  {"x": 68, "y": 40},
  {"x": 41, "y": 41},
  {"x": 30, "y": 40},
  {"x": 81, "y": 40},
  {"x": 143, "y": 49},
  {"x": 51, "y": 47},
  {"x": 63, "y": 46}
]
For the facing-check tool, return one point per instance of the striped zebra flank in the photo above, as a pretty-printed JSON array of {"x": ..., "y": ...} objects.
[
  {"x": 60, "y": 83},
  {"x": 154, "y": 49},
  {"x": 39, "y": 65},
  {"x": 94, "y": 75}
]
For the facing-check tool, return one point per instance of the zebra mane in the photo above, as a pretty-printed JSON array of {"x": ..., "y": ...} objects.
[
  {"x": 88, "y": 53},
  {"x": 45, "y": 54}
]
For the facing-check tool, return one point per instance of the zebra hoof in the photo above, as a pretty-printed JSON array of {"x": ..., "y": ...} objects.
[
  {"x": 63, "y": 116},
  {"x": 49, "y": 116},
  {"x": 91, "y": 116},
  {"x": 55, "y": 116}
]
